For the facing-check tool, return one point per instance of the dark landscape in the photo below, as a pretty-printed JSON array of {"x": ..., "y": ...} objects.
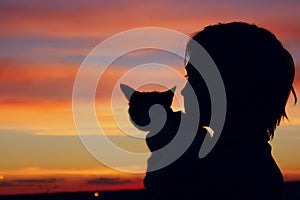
[{"x": 292, "y": 192}]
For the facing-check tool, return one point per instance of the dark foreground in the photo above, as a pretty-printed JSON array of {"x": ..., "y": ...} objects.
[{"x": 292, "y": 192}]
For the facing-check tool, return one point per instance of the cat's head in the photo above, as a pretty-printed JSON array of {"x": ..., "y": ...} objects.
[{"x": 141, "y": 102}]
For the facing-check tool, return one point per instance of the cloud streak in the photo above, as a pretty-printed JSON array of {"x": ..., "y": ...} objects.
[
  {"x": 30, "y": 182},
  {"x": 102, "y": 18},
  {"x": 109, "y": 181},
  {"x": 36, "y": 181}
]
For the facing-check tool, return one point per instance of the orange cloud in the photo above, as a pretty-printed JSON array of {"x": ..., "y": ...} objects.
[{"x": 64, "y": 180}]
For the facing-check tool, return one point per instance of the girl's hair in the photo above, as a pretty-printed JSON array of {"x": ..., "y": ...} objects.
[{"x": 258, "y": 73}]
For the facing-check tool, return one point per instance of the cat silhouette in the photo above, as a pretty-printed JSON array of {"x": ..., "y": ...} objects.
[{"x": 140, "y": 104}]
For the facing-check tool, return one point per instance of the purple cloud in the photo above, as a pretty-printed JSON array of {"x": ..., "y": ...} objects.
[{"x": 108, "y": 181}]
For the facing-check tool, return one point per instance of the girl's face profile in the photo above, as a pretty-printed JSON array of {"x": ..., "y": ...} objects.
[{"x": 186, "y": 92}]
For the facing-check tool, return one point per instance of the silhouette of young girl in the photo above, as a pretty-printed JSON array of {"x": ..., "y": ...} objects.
[{"x": 258, "y": 74}]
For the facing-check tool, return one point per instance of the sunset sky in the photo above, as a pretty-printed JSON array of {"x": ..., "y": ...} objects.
[{"x": 43, "y": 44}]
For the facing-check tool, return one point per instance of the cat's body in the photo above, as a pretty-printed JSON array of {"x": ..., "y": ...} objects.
[
  {"x": 182, "y": 174},
  {"x": 139, "y": 105}
]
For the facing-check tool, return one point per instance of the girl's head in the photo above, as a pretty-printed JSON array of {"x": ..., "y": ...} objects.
[{"x": 258, "y": 73}]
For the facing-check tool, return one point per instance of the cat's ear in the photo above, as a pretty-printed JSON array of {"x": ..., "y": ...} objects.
[
  {"x": 173, "y": 89},
  {"x": 168, "y": 96},
  {"x": 127, "y": 91}
]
